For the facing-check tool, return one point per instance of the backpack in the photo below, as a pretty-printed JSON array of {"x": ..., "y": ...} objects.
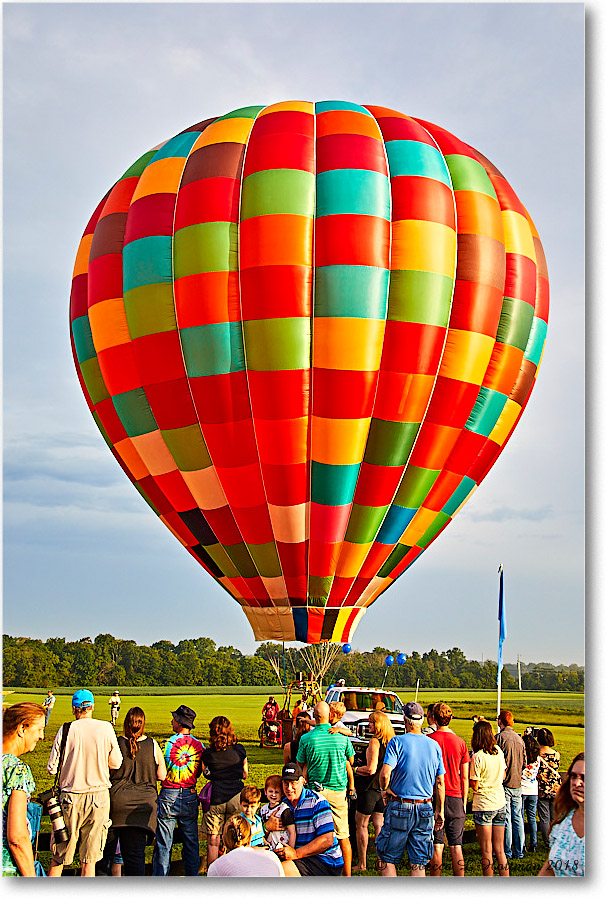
[{"x": 549, "y": 779}]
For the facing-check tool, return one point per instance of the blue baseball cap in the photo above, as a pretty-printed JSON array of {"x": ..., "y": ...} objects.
[
  {"x": 82, "y": 698},
  {"x": 413, "y": 711}
]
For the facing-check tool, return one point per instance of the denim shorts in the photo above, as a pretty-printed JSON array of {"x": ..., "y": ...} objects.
[
  {"x": 490, "y": 816},
  {"x": 407, "y": 826}
]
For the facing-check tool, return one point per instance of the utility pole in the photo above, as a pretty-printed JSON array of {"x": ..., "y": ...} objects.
[{"x": 519, "y": 671}]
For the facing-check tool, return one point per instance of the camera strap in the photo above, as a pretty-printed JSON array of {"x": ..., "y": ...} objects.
[{"x": 64, "y": 737}]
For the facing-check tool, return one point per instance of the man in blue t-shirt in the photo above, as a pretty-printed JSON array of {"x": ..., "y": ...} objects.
[{"x": 413, "y": 767}]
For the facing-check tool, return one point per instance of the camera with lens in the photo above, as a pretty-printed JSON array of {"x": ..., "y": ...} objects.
[
  {"x": 60, "y": 832},
  {"x": 533, "y": 730}
]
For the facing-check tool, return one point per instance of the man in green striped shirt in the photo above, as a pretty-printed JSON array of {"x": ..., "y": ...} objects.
[{"x": 323, "y": 757}]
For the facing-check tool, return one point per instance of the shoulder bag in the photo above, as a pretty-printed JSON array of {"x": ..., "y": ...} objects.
[{"x": 44, "y": 797}]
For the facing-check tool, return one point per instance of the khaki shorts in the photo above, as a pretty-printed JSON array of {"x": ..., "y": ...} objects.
[
  {"x": 86, "y": 816},
  {"x": 216, "y": 816},
  {"x": 339, "y": 811}
]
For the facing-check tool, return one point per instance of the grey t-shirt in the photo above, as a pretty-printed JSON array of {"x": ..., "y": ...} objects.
[{"x": 514, "y": 751}]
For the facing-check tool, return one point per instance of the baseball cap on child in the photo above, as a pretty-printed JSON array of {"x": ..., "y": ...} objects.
[{"x": 82, "y": 698}]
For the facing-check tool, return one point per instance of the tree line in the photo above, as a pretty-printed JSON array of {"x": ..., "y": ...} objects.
[{"x": 106, "y": 660}]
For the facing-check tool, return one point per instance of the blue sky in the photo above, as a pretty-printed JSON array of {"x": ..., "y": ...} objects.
[{"x": 87, "y": 89}]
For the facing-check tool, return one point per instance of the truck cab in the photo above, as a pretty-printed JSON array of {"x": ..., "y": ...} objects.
[{"x": 359, "y": 702}]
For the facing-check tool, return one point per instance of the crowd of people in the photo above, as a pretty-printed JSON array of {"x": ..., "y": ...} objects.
[{"x": 413, "y": 788}]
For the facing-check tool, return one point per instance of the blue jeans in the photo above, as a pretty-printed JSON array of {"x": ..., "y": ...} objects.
[
  {"x": 545, "y": 815},
  {"x": 176, "y": 805},
  {"x": 514, "y": 825},
  {"x": 407, "y": 826},
  {"x": 530, "y": 804}
]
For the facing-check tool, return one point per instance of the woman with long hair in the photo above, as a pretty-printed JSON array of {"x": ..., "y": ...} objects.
[
  {"x": 303, "y": 724},
  {"x": 226, "y": 767},
  {"x": 22, "y": 728},
  {"x": 133, "y": 794},
  {"x": 549, "y": 781},
  {"x": 529, "y": 786},
  {"x": 567, "y": 835},
  {"x": 240, "y": 859},
  {"x": 367, "y": 784},
  {"x": 489, "y": 804}
]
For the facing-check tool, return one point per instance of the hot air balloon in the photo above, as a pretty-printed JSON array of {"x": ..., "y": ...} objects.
[{"x": 306, "y": 332}]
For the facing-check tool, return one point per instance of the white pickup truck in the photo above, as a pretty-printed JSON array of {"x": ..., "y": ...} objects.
[{"x": 359, "y": 702}]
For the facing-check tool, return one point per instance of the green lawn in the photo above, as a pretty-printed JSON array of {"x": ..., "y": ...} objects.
[{"x": 244, "y": 709}]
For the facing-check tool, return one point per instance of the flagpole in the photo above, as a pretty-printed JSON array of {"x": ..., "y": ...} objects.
[
  {"x": 284, "y": 676},
  {"x": 502, "y": 633},
  {"x": 498, "y": 694}
]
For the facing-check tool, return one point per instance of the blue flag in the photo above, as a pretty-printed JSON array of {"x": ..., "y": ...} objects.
[{"x": 502, "y": 618}]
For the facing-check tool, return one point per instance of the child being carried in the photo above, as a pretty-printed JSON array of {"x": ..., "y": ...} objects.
[{"x": 279, "y": 809}]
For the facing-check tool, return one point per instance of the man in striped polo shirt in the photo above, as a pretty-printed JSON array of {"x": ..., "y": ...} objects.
[
  {"x": 324, "y": 757},
  {"x": 317, "y": 851}
]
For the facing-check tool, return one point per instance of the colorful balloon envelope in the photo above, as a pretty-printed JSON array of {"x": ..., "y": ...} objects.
[{"x": 306, "y": 332}]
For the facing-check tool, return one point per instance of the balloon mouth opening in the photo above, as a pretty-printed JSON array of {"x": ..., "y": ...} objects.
[{"x": 307, "y": 624}]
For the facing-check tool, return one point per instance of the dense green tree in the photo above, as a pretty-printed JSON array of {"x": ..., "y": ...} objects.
[
  {"x": 269, "y": 649},
  {"x": 83, "y": 669}
]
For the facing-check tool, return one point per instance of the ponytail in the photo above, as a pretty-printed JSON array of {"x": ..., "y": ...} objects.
[{"x": 133, "y": 728}]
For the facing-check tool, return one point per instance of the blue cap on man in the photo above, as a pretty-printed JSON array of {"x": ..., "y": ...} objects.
[
  {"x": 413, "y": 711},
  {"x": 82, "y": 698}
]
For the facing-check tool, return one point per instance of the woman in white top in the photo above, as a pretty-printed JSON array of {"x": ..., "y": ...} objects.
[
  {"x": 567, "y": 835},
  {"x": 529, "y": 786},
  {"x": 241, "y": 860},
  {"x": 489, "y": 806}
]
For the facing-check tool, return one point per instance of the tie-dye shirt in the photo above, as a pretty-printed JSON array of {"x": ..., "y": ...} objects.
[{"x": 183, "y": 755}]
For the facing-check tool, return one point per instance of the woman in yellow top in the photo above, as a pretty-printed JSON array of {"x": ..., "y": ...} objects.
[{"x": 489, "y": 805}]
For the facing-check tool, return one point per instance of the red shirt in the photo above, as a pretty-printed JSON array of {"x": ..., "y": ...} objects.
[
  {"x": 270, "y": 711},
  {"x": 455, "y": 752}
]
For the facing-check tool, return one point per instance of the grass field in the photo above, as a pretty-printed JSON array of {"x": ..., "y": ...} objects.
[{"x": 562, "y": 712}]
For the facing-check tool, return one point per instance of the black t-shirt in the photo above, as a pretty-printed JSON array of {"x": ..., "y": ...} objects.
[{"x": 226, "y": 767}]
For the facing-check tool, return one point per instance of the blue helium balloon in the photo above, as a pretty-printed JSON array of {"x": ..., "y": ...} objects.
[
  {"x": 346, "y": 648},
  {"x": 401, "y": 658},
  {"x": 389, "y": 660}
]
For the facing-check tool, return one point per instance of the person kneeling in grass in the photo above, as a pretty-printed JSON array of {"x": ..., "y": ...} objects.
[{"x": 317, "y": 851}]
